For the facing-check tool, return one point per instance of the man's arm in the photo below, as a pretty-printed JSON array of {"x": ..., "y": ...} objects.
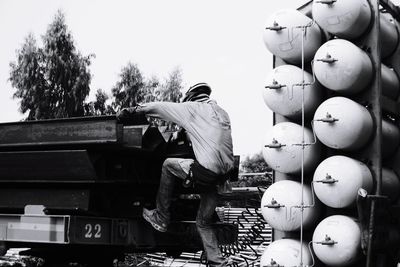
[{"x": 178, "y": 113}]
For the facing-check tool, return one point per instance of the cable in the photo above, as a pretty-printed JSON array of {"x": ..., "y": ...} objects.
[{"x": 245, "y": 241}]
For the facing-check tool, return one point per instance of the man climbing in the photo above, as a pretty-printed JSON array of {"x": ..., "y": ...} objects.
[{"x": 209, "y": 131}]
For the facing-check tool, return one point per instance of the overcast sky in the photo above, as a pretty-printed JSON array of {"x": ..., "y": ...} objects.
[{"x": 213, "y": 41}]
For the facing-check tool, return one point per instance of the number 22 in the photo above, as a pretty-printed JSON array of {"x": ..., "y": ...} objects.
[{"x": 89, "y": 230}]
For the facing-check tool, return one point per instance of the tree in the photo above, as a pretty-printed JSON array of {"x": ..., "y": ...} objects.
[
  {"x": 52, "y": 81},
  {"x": 151, "y": 90},
  {"x": 254, "y": 164},
  {"x": 129, "y": 90},
  {"x": 133, "y": 88},
  {"x": 99, "y": 106},
  {"x": 171, "y": 90},
  {"x": 28, "y": 77}
]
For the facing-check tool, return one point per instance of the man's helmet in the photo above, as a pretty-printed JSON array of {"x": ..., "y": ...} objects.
[{"x": 198, "y": 92}]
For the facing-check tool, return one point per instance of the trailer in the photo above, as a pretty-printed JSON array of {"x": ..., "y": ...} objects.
[{"x": 75, "y": 189}]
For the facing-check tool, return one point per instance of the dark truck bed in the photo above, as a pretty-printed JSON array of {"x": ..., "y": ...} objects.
[{"x": 81, "y": 183}]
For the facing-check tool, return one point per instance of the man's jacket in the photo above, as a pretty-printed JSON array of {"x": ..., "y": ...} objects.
[{"x": 208, "y": 127}]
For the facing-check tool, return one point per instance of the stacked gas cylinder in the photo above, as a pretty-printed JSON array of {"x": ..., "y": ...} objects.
[{"x": 320, "y": 127}]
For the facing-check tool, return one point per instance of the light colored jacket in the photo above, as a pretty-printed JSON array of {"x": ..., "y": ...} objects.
[{"x": 208, "y": 127}]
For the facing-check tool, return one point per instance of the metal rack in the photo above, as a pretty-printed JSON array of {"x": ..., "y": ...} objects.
[{"x": 379, "y": 107}]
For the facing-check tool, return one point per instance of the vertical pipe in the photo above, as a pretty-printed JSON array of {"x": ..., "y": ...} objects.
[
  {"x": 303, "y": 29},
  {"x": 375, "y": 99}
]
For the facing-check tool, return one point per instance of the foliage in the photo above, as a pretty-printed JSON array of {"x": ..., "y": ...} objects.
[
  {"x": 151, "y": 90},
  {"x": 171, "y": 90},
  {"x": 51, "y": 81},
  {"x": 253, "y": 181},
  {"x": 254, "y": 164},
  {"x": 133, "y": 88},
  {"x": 129, "y": 90},
  {"x": 99, "y": 107}
]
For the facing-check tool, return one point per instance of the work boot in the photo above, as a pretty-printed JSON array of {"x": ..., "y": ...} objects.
[{"x": 151, "y": 217}]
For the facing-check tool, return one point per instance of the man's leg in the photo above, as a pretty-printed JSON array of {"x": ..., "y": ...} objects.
[
  {"x": 204, "y": 222},
  {"x": 172, "y": 168}
]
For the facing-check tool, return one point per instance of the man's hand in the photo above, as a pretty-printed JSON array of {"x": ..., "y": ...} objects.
[
  {"x": 174, "y": 136},
  {"x": 179, "y": 135},
  {"x": 131, "y": 116},
  {"x": 124, "y": 114}
]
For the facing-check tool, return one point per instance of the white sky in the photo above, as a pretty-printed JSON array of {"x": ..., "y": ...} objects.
[{"x": 213, "y": 41}]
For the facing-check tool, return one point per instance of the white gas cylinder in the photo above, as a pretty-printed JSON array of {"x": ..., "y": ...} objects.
[
  {"x": 390, "y": 138},
  {"x": 283, "y": 150},
  {"x": 283, "y": 36},
  {"x": 337, "y": 240},
  {"x": 280, "y": 206},
  {"x": 341, "y": 66},
  {"x": 286, "y": 253},
  {"x": 349, "y": 19},
  {"x": 390, "y": 82},
  {"x": 342, "y": 123},
  {"x": 390, "y": 184},
  {"x": 284, "y": 95},
  {"x": 337, "y": 180}
]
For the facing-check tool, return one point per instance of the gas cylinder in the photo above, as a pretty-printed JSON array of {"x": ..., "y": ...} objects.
[
  {"x": 284, "y": 95},
  {"x": 350, "y": 19},
  {"x": 390, "y": 184},
  {"x": 285, "y": 253},
  {"x": 283, "y": 150},
  {"x": 389, "y": 34},
  {"x": 347, "y": 19},
  {"x": 390, "y": 82},
  {"x": 280, "y": 206},
  {"x": 341, "y": 66},
  {"x": 337, "y": 180},
  {"x": 283, "y": 36},
  {"x": 390, "y": 138},
  {"x": 337, "y": 240},
  {"x": 342, "y": 123}
]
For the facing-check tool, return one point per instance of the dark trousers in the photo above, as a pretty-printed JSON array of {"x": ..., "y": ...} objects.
[{"x": 172, "y": 169}]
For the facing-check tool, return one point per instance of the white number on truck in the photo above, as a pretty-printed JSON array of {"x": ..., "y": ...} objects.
[{"x": 92, "y": 231}]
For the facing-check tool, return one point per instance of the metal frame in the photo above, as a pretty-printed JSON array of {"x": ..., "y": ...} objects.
[
  {"x": 373, "y": 96},
  {"x": 377, "y": 104},
  {"x": 91, "y": 130},
  {"x": 35, "y": 228}
]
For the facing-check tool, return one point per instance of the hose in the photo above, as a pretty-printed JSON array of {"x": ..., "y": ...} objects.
[{"x": 245, "y": 241}]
